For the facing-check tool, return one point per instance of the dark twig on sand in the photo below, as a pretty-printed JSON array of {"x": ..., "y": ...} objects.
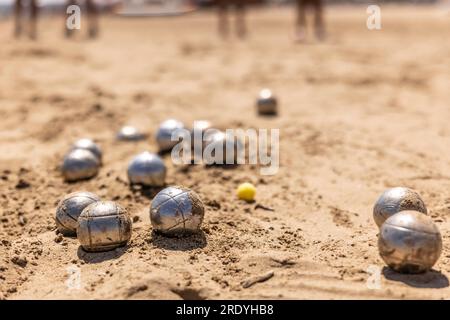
[{"x": 253, "y": 280}]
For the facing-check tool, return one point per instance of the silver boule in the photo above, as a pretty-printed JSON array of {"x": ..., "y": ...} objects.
[
  {"x": 395, "y": 200},
  {"x": 176, "y": 210},
  {"x": 90, "y": 145},
  {"x": 103, "y": 226},
  {"x": 164, "y": 134},
  {"x": 70, "y": 208},
  {"x": 201, "y": 126},
  {"x": 199, "y": 129},
  {"x": 267, "y": 103},
  {"x": 222, "y": 148},
  {"x": 410, "y": 242},
  {"x": 130, "y": 133},
  {"x": 79, "y": 164},
  {"x": 198, "y": 135},
  {"x": 147, "y": 169}
]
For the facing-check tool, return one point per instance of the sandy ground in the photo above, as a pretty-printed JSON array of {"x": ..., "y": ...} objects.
[{"x": 364, "y": 111}]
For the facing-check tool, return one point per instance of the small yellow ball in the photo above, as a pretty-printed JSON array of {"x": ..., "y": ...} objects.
[{"x": 246, "y": 191}]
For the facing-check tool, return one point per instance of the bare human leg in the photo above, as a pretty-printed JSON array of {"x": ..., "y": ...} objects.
[
  {"x": 34, "y": 17},
  {"x": 241, "y": 29},
  {"x": 318, "y": 20},
  {"x": 92, "y": 12},
  {"x": 222, "y": 9},
  {"x": 18, "y": 18},
  {"x": 300, "y": 27}
]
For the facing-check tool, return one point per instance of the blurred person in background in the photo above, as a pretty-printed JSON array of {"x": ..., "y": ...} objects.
[
  {"x": 18, "y": 13},
  {"x": 319, "y": 26},
  {"x": 239, "y": 7},
  {"x": 92, "y": 16}
]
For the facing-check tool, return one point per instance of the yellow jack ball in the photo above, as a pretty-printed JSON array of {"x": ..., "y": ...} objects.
[{"x": 246, "y": 191}]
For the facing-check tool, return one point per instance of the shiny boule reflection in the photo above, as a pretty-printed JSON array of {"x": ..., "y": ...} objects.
[
  {"x": 130, "y": 133},
  {"x": 103, "y": 226},
  {"x": 395, "y": 200},
  {"x": 222, "y": 148},
  {"x": 164, "y": 134},
  {"x": 147, "y": 169},
  {"x": 70, "y": 208},
  {"x": 79, "y": 164},
  {"x": 176, "y": 210},
  {"x": 88, "y": 144},
  {"x": 267, "y": 103},
  {"x": 409, "y": 242}
]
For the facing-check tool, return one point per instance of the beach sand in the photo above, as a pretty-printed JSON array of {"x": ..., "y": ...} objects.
[{"x": 361, "y": 112}]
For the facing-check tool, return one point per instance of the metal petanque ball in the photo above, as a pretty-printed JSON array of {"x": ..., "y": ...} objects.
[
  {"x": 88, "y": 144},
  {"x": 266, "y": 103},
  {"x": 70, "y": 208},
  {"x": 103, "y": 226},
  {"x": 129, "y": 133},
  {"x": 228, "y": 145},
  {"x": 395, "y": 200},
  {"x": 198, "y": 130},
  {"x": 410, "y": 242},
  {"x": 79, "y": 164},
  {"x": 147, "y": 169},
  {"x": 164, "y": 134},
  {"x": 176, "y": 210}
]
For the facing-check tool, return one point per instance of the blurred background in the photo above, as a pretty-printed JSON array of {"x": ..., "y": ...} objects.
[
  {"x": 360, "y": 110},
  {"x": 51, "y": 6}
]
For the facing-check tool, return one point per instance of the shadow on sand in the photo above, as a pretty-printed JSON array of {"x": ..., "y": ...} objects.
[
  {"x": 98, "y": 257},
  {"x": 179, "y": 243},
  {"x": 148, "y": 192},
  {"x": 429, "y": 279}
]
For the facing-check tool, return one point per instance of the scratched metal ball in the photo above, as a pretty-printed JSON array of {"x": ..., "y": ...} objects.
[
  {"x": 130, "y": 133},
  {"x": 395, "y": 200},
  {"x": 90, "y": 145},
  {"x": 267, "y": 103},
  {"x": 103, "y": 226},
  {"x": 176, "y": 210},
  {"x": 147, "y": 169},
  {"x": 80, "y": 164},
  {"x": 222, "y": 148},
  {"x": 70, "y": 208},
  {"x": 410, "y": 242},
  {"x": 164, "y": 134}
]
